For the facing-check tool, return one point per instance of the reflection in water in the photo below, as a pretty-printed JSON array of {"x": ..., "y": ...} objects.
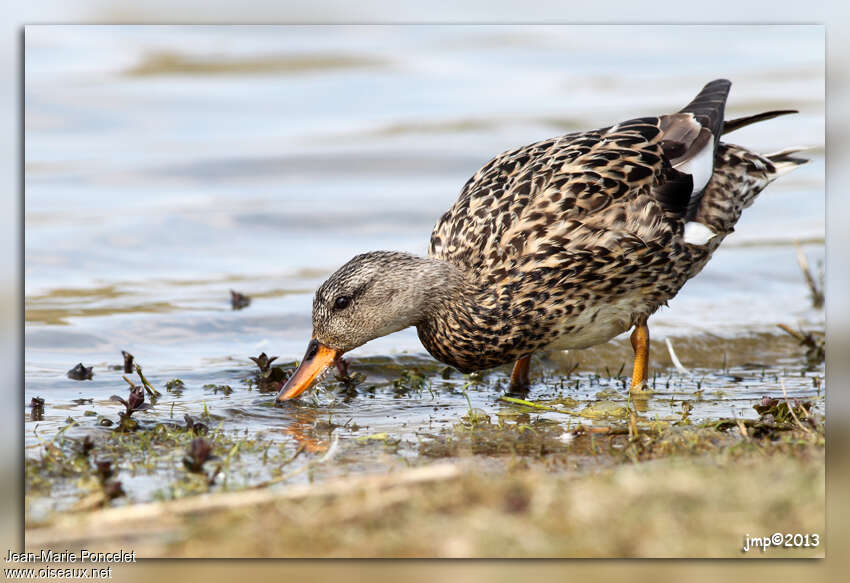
[
  {"x": 641, "y": 402},
  {"x": 308, "y": 432}
]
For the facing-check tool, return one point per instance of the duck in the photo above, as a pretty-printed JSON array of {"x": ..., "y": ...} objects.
[{"x": 561, "y": 244}]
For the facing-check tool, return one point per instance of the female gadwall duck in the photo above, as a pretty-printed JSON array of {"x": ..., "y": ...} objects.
[{"x": 560, "y": 244}]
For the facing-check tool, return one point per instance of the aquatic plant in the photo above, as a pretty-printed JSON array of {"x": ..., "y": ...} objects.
[
  {"x": 175, "y": 386},
  {"x": 269, "y": 379},
  {"x": 199, "y": 452},
  {"x": 194, "y": 426},
  {"x": 135, "y": 402}
]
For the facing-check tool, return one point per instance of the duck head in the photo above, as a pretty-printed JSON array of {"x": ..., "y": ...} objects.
[{"x": 372, "y": 295}]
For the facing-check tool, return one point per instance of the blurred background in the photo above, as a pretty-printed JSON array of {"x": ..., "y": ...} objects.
[{"x": 134, "y": 180}]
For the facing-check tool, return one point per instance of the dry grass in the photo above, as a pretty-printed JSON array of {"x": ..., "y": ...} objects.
[{"x": 697, "y": 495}]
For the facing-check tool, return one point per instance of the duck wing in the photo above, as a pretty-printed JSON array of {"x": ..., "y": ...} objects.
[{"x": 619, "y": 186}]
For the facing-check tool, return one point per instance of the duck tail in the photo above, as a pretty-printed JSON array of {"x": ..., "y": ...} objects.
[
  {"x": 690, "y": 141},
  {"x": 709, "y": 105},
  {"x": 784, "y": 161},
  {"x": 740, "y": 175}
]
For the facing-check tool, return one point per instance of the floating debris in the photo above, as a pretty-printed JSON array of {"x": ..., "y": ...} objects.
[
  {"x": 37, "y": 409},
  {"x": 127, "y": 365},
  {"x": 128, "y": 361},
  {"x": 238, "y": 300},
  {"x": 81, "y": 373}
]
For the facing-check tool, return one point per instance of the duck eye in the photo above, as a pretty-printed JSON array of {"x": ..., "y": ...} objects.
[{"x": 342, "y": 302}]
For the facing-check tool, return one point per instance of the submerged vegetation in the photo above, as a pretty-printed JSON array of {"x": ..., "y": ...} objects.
[
  {"x": 514, "y": 487},
  {"x": 578, "y": 430}
]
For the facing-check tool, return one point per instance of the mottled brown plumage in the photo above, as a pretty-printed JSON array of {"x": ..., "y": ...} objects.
[
  {"x": 573, "y": 240},
  {"x": 564, "y": 243}
]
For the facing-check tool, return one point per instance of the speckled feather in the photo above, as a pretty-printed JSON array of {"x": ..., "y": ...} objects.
[{"x": 567, "y": 242}]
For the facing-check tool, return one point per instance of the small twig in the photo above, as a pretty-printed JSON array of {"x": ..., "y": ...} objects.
[
  {"x": 790, "y": 408},
  {"x": 799, "y": 337},
  {"x": 814, "y": 288},
  {"x": 676, "y": 362},
  {"x": 148, "y": 387}
]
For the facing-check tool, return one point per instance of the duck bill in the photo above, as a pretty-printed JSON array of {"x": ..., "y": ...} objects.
[{"x": 317, "y": 360}]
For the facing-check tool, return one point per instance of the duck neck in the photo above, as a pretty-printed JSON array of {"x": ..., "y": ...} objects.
[
  {"x": 441, "y": 286},
  {"x": 461, "y": 323}
]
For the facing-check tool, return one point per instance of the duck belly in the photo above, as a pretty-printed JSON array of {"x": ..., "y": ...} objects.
[{"x": 597, "y": 324}]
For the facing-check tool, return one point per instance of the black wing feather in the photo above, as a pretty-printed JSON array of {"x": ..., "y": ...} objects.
[
  {"x": 685, "y": 134},
  {"x": 734, "y": 124},
  {"x": 709, "y": 106}
]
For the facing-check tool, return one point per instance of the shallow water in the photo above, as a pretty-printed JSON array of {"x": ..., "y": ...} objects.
[{"x": 167, "y": 165}]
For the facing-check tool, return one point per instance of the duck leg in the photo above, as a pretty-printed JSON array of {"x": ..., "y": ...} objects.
[
  {"x": 519, "y": 376},
  {"x": 640, "y": 344}
]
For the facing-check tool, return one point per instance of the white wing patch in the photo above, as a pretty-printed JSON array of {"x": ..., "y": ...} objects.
[
  {"x": 697, "y": 233},
  {"x": 700, "y": 166}
]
